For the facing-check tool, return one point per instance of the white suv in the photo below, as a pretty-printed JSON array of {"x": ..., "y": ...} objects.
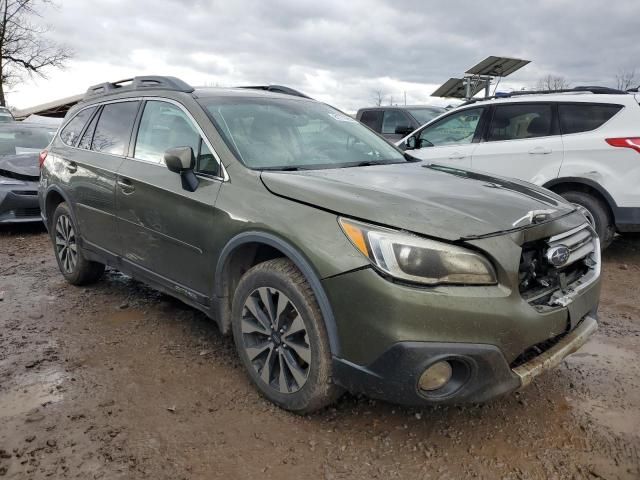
[{"x": 582, "y": 144}]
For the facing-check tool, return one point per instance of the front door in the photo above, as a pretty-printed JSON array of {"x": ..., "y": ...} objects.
[
  {"x": 166, "y": 230},
  {"x": 523, "y": 141},
  {"x": 451, "y": 140}
]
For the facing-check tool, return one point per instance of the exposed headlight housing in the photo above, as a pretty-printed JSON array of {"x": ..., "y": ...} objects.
[{"x": 415, "y": 259}]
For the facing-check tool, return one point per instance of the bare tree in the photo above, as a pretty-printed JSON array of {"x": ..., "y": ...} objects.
[
  {"x": 552, "y": 82},
  {"x": 625, "y": 79},
  {"x": 24, "y": 47},
  {"x": 378, "y": 96}
]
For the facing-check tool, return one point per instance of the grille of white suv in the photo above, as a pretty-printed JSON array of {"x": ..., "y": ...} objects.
[{"x": 544, "y": 284}]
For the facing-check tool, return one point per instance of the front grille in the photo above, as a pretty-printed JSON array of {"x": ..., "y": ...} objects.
[
  {"x": 536, "y": 350},
  {"x": 26, "y": 212},
  {"x": 542, "y": 283}
]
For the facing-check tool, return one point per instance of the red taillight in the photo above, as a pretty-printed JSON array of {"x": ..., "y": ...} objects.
[
  {"x": 42, "y": 157},
  {"x": 626, "y": 142}
]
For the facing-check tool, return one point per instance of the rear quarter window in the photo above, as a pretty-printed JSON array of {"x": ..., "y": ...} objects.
[{"x": 579, "y": 117}]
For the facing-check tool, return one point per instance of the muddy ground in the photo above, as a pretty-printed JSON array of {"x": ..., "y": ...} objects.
[{"x": 118, "y": 381}]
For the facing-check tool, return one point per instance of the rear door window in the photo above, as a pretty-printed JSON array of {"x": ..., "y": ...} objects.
[
  {"x": 520, "y": 121},
  {"x": 372, "y": 119},
  {"x": 71, "y": 132},
  {"x": 113, "y": 130},
  {"x": 393, "y": 119},
  {"x": 584, "y": 117}
]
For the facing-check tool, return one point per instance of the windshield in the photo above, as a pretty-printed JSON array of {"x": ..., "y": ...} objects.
[
  {"x": 20, "y": 140},
  {"x": 425, "y": 115},
  {"x": 5, "y": 117},
  {"x": 275, "y": 133}
]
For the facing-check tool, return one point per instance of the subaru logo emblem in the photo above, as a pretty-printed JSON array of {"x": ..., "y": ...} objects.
[{"x": 558, "y": 256}]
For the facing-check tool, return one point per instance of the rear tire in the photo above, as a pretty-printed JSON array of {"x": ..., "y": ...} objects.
[
  {"x": 75, "y": 268},
  {"x": 604, "y": 226},
  {"x": 281, "y": 337}
]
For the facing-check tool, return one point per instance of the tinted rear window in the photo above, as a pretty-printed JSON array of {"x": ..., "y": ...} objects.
[
  {"x": 578, "y": 117},
  {"x": 71, "y": 132},
  {"x": 113, "y": 131},
  {"x": 520, "y": 121}
]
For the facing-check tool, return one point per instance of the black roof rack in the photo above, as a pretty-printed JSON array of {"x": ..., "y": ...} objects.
[
  {"x": 278, "y": 89},
  {"x": 146, "y": 82},
  {"x": 586, "y": 89}
]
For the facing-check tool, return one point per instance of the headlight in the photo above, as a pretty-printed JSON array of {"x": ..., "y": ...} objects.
[{"x": 416, "y": 259}]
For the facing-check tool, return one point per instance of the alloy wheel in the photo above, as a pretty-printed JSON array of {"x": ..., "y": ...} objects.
[
  {"x": 275, "y": 340},
  {"x": 66, "y": 245}
]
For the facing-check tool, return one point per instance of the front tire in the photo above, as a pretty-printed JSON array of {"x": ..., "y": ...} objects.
[
  {"x": 602, "y": 221},
  {"x": 75, "y": 268},
  {"x": 281, "y": 338}
]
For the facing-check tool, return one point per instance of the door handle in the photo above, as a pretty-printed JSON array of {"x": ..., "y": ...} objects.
[
  {"x": 72, "y": 167},
  {"x": 126, "y": 186},
  {"x": 540, "y": 151},
  {"x": 457, "y": 156}
]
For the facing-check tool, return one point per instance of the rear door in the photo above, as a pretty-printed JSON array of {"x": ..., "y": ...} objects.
[
  {"x": 522, "y": 141},
  {"x": 452, "y": 139},
  {"x": 97, "y": 150},
  {"x": 166, "y": 230}
]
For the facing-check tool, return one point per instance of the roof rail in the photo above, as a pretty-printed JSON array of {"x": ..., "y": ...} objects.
[
  {"x": 278, "y": 89},
  {"x": 146, "y": 82},
  {"x": 585, "y": 89}
]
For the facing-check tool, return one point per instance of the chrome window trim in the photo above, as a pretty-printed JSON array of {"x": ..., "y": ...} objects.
[{"x": 223, "y": 178}]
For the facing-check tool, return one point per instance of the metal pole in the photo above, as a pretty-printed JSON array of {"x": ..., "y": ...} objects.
[
  {"x": 467, "y": 88},
  {"x": 487, "y": 88}
]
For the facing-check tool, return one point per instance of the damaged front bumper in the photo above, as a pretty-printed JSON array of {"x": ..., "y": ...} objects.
[
  {"x": 480, "y": 371},
  {"x": 19, "y": 202},
  {"x": 554, "y": 356}
]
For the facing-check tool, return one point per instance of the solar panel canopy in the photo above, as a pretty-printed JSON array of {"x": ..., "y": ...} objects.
[
  {"x": 497, "y": 66},
  {"x": 455, "y": 88}
]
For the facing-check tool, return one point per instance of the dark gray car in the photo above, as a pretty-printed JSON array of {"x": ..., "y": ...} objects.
[
  {"x": 20, "y": 147},
  {"x": 336, "y": 260},
  {"x": 394, "y": 122}
]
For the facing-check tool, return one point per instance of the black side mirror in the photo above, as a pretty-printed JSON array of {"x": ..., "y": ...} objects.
[
  {"x": 403, "y": 130},
  {"x": 411, "y": 143},
  {"x": 182, "y": 160}
]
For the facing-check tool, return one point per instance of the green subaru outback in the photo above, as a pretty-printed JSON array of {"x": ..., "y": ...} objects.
[{"x": 336, "y": 261}]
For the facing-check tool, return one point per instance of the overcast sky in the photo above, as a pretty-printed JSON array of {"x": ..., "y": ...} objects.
[{"x": 339, "y": 51}]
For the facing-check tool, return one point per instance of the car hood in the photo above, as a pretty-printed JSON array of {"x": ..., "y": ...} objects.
[
  {"x": 23, "y": 167},
  {"x": 431, "y": 200}
]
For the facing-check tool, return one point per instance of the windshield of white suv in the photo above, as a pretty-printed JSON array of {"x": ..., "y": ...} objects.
[
  {"x": 425, "y": 115},
  {"x": 290, "y": 134}
]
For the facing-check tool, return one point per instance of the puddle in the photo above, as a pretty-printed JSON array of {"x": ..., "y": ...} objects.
[
  {"x": 30, "y": 392},
  {"x": 125, "y": 316}
]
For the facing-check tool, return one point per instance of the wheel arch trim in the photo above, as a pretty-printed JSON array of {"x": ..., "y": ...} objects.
[
  {"x": 299, "y": 260},
  {"x": 65, "y": 197},
  {"x": 589, "y": 183}
]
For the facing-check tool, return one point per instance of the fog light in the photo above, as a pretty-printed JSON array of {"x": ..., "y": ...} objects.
[{"x": 436, "y": 376}]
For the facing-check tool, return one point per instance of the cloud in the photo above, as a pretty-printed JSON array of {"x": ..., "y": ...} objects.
[{"x": 337, "y": 51}]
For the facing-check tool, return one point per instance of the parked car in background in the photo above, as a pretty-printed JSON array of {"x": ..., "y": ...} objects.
[
  {"x": 395, "y": 122},
  {"x": 582, "y": 144},
  {"x": 6, "y": 115},
  {"x": 337, "y": 261},
  {"x": 20, "y": 147}
]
